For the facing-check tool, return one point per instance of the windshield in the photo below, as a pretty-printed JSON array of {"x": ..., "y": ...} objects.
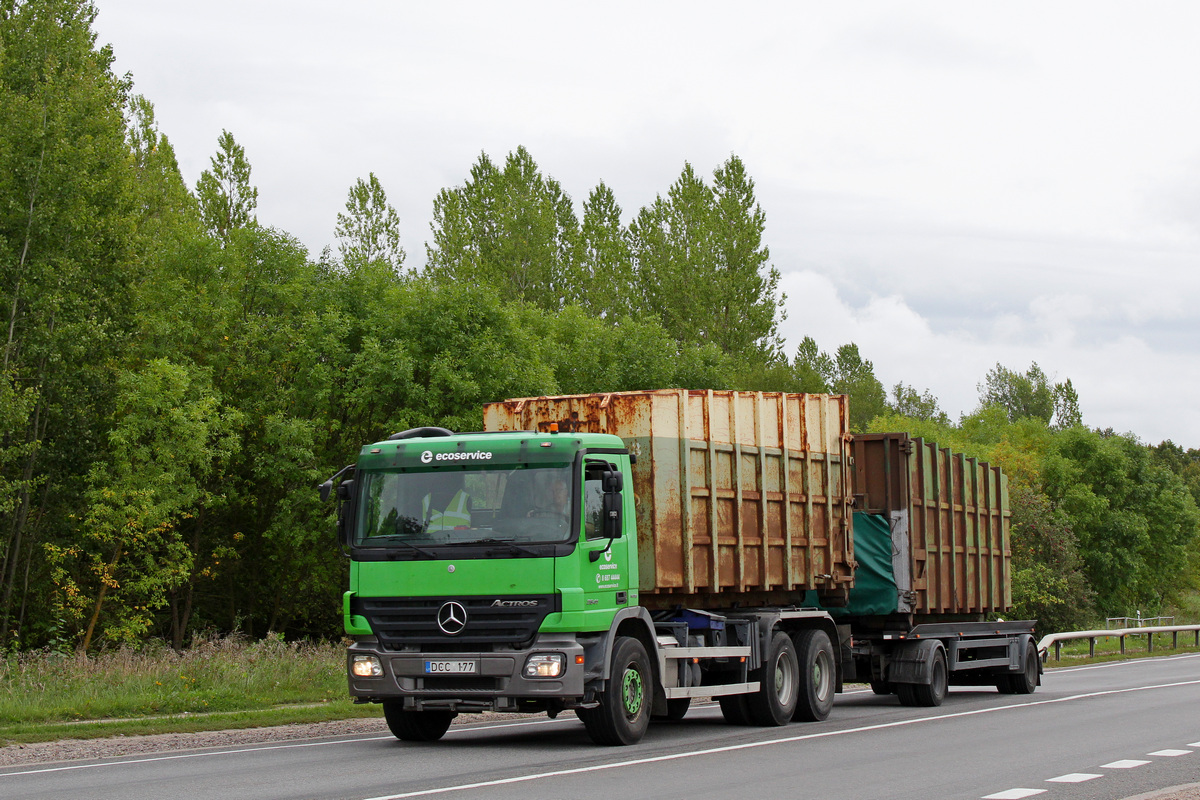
[{"x": 522, "y": 505}]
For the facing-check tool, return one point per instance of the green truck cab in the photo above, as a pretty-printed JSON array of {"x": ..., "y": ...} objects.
[{"x": 487, "y": 573}]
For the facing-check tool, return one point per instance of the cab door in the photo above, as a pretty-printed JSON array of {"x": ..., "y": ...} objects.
[{"x": 605, "y": 570}]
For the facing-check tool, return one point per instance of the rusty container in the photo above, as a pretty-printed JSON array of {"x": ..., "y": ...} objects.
[
  {"x": 742, "y": 497},
  {"x": 950, "y": 522}
]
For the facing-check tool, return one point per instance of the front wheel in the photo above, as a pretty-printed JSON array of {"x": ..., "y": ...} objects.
[
  {"x": 818, "y": 676},
  {"x": 416, "y": 726},
  {"x": 624, "y": 710}
]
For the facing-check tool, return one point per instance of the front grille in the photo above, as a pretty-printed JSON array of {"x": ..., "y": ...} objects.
[
  {"x": 460, "y": 684},
  {"x": 413, "y": 621}
]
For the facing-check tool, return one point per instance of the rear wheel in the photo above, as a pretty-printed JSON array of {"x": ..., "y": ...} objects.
[
  {"x": 933, "y": 693},
  {"x": 676, "y": 710},
  {"x": 1023, "y": 682},
  {"x": 818, "y": 676},
  {"x": 416, "y": 726},
  {"x": 779, "y": 679},
  {"x": 624, "y": 710},
  {"x": 882, "y": 687},
  {"x": 734, "y": 709}
]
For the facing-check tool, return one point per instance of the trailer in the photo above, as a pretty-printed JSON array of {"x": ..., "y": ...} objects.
[{"x": 619, "y": 555}]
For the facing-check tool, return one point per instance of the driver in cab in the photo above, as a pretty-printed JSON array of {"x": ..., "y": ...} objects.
[{"x": 555, "y": 502}]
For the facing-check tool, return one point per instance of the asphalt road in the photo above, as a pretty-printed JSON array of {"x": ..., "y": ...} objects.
[{"x": 1106, "y": 731}]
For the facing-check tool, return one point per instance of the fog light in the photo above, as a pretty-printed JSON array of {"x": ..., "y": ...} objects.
[
  {"x": 545, "y": 665},
  {"x": 366, "y": 667}
]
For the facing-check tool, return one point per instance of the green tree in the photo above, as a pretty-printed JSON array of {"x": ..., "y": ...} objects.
[
  {"x": 846, "y": 372},
  {"x": 168, "y": 435},
  {"x": 227, "y": 200},
  {"x": 1135, "y": 521},
  {"x": 907, "y": 402},
  {"x": 66, "y": 219},
  {"x": 603, "y": 279},
  {"x": 701, "y": 266},
  {"x": 1048, "y": 583},
  {"x": 1031, "y": 394},
  {"x": 512, "y": 229},
  {"x": 369, "y": 230}
]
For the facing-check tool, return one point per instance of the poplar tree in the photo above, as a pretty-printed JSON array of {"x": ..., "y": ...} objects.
[
  {"x": 66, "y": 219},
  {"x": 701, "y": 265},
  {"x": 227, "y": 200},
  {"x": 369, "y": 230},
  {"x": 510, "y": 228}
]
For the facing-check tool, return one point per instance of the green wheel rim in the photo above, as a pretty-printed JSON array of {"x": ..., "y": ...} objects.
[{"x": 632, "y": 691}]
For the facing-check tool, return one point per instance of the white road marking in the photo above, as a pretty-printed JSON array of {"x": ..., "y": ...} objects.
[
  {"x": 1074, "y": 777},
  {"x": 1128, "y": 763},
  {"x": 1193, "y": 744},
  {"x": 1170, "y": 753},
  {"x": 1013, "y": 794},
  {"x": 770, "y": 742}
]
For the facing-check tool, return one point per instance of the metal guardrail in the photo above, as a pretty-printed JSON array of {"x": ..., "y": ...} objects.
[
  {"x": 1121, "y": 634},
  {"x": 1138, "y": 622}
]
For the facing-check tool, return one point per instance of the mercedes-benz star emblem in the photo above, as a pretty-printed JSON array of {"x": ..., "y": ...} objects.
[{"x": 452, "y": 618}]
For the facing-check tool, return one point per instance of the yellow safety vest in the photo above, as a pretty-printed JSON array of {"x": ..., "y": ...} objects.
[{"x": 456, "y": 515}]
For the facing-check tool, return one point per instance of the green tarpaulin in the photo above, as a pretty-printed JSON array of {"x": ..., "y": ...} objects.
[{"x": 874, "y": 591}]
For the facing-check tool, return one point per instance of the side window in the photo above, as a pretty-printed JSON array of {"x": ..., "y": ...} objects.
[{"x": 593, "y": 500}]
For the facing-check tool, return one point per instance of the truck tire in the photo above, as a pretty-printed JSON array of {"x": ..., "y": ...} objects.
[
  {"x": 624, "y": 711},
  {"x": 1025, "y": 682},
  {"x": 882, "y": 687},
  {"x": 734, "y": 709},
  {"x": 416, "y": 726},
  {"x": 676, "y": 710},
  {"x": 932, "y": 694},
  {"x": 779, "y": 678},
  {"x": 818, "y": 676}
]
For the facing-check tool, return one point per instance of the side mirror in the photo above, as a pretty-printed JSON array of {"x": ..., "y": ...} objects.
[
  {"x": 611, "y": 514},
  {"x": 613, "y": 481}
]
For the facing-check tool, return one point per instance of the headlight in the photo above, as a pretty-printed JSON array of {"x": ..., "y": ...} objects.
[
  {"x": 545, "y": 665},
  {"x": 366, "y": 667}
]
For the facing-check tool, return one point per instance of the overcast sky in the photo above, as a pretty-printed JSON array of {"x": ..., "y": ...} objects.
[{"x": 947, "y": 184}]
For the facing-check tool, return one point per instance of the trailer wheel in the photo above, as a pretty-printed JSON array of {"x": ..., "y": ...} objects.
[
  {"x": 818, "y": 671},
  {"x": 933, "y": 693},
  {"x": 1023, "y": 682},
  {"x": 779, "y": 677},
  {"x": 624, "y": 710},
  {"x": 882, "y": 687},
  {"x": 416, "y": 726}
]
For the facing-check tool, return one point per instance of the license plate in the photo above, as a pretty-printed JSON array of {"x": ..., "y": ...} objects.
[{"x": 451, "y": 667}]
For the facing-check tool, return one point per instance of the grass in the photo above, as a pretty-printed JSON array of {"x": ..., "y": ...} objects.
[{"x": 218, "y": 683}]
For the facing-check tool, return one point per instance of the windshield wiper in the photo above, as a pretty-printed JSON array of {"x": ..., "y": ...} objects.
[
  {"x": 512, "y": 546},
  {"x": 394, "y": 540}
]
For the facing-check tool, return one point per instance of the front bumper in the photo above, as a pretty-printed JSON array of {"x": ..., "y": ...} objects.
[{"x": 498, "y": 685}]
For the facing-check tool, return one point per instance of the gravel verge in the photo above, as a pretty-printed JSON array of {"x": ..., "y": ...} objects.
[{"x": 115, "y": 746}]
